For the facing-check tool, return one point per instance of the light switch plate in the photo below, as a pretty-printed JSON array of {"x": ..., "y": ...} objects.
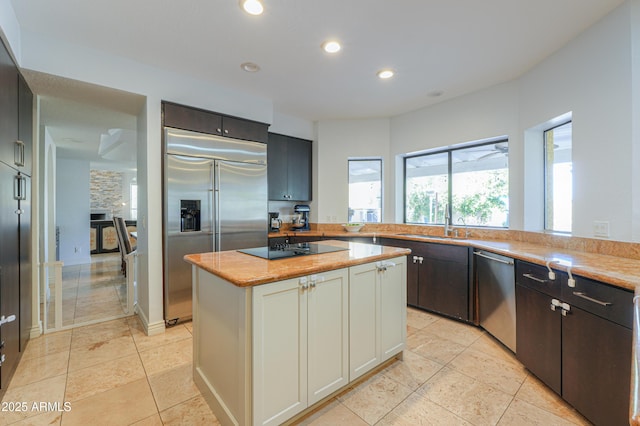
[{"x": 601, "y": 229}]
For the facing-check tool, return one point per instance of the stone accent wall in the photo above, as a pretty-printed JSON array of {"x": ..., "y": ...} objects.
[{"x": 106, "y": 191}]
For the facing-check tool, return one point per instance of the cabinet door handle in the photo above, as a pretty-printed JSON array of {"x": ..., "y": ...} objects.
[
  {"x": 495, "y": 259},
  {"x": 5, "y": 320},
  {"x": 591, "y": 299},
  {"x": 18, "y": 154},
  {"x": 533, "y": 277}
]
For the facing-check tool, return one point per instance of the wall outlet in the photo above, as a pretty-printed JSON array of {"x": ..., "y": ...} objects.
[{"x": 601, "y": 229}]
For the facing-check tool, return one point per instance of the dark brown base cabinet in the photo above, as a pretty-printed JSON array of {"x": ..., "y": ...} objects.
[
  {"x": 438, "y": 277},
  {"x": 577, "y": 340}
]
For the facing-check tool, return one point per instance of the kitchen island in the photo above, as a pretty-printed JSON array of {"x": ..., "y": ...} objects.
[{"x": 274, "y": 338}]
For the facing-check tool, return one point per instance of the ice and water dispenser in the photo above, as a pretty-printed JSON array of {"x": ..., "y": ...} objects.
[{"x": 189, "y": 215}]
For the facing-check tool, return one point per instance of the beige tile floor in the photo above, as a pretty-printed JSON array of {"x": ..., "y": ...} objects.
[
  {"x": 113, "y": 374},
  {"x": 91, "y": 292}
]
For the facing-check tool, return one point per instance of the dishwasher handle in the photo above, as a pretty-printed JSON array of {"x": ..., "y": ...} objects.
[{"x": 481, "y": 254}]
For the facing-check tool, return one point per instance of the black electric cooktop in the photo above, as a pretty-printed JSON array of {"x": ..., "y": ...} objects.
[{"x": 283, "y": 251}]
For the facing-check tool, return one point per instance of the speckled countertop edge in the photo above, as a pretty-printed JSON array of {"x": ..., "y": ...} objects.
[
  {"x": 245, "y": 270},
  {"x": 617, "y": 271}
]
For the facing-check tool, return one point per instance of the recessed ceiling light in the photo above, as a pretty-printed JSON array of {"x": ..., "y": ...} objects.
[
  {"x": 252, "y": 7},
  {"x": 385, "y": 74},
  {"x": 331, "y": 46},
  {"x": 250, "y": 67}
]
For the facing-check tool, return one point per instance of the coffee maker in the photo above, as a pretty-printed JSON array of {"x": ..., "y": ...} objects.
[
  {"x": 274, "y": 222},
  {"x": 302, "y": 211}
]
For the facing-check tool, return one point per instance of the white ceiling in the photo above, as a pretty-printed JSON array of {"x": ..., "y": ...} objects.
[{"x": 449, "y": 46}]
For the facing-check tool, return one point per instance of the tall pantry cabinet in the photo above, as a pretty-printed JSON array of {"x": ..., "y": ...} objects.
[{"x": 16, "y": 124}]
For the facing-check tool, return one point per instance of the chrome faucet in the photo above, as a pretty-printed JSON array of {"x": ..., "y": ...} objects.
[{"x": 447, "y": 222}]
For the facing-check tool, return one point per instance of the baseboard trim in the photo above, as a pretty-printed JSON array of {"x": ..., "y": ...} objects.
[
  {"x": 36, "y": 330},
  {"x": 150, "y": 329}
]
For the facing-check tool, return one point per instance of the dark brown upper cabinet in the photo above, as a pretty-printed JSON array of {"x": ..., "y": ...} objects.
[
  {"x": 212, "y": 123},
  {"x": 289, "y": 165}
]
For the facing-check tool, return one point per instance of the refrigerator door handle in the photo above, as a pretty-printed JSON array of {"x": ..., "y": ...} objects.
[{"x": 215, "y": 208}]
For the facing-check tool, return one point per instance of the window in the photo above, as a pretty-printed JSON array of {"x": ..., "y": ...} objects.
[
  {"x": 470, "y": 183},
  {"x": 558, "y": 178},
  {"x": 134, "y": 201},
  {"x": 365, "y": 190}
]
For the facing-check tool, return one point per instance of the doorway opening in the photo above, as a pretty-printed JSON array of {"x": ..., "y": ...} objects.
[{"x": 87, "y": 143}]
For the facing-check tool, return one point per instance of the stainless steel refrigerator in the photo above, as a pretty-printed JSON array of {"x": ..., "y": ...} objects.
[{"x": 215, "y": 199}]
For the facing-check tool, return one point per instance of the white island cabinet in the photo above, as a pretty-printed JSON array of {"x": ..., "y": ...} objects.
[
  {"x": 300, "y": 344},
  {"x": 269, "y": 349},
  {"x": 377, "y": 307}
]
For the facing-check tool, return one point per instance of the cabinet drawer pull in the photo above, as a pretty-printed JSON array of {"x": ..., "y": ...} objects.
[
  {"x": 591, "y": 299},
  {"x": 533, "y": 277}
]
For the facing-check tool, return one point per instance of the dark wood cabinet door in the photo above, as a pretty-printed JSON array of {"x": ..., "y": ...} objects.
[
  {"x": 413, "y": 266},
  {"x": 289, "y": 165},
  {"x": 444, "y": 287},
  {"x": 24, "y": 236},
  {"x": 277, "y": 167},
  {"x": 299, "y": 169},
  {"x": 539, "y": 336},
  {"x": 244, "y": 129},
  {"x": 596, "y": 367},
  {"x": 25, "y": 123},
  {"x": 413, "y": 277},
  {"x": 9, "y": 278},
  {"x": 8, "y": 107},
  {"x": 188, "y": 118}
]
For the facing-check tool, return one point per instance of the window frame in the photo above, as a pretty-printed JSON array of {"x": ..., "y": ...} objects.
[
  {"x": 379, "y": 159},
  {"x": 545, "y": 226},
  {"x": 449, "y": 151}
]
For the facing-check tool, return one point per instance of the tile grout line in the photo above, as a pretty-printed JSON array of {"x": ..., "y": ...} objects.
[{"x": 146, "y": 374}]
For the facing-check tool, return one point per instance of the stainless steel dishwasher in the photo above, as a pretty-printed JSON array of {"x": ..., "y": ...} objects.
[{"x": 497, "y": 296}]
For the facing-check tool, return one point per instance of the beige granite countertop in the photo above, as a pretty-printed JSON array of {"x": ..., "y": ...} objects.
[
  {"x": 620, "y": 266},
  {"x": 246, "y": 270}
]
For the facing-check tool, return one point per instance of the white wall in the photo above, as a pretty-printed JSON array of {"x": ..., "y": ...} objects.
[
  {"x": 482, "y": 115},
  {"x": 292, "y": 126},
  {"x": 338, "y": 140},
  {"x": 635, "y": 113},
  {"x": 591, "y": 77},
  {"x": 72, "y": 211},
  {"x": 10, "y": 29}
]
